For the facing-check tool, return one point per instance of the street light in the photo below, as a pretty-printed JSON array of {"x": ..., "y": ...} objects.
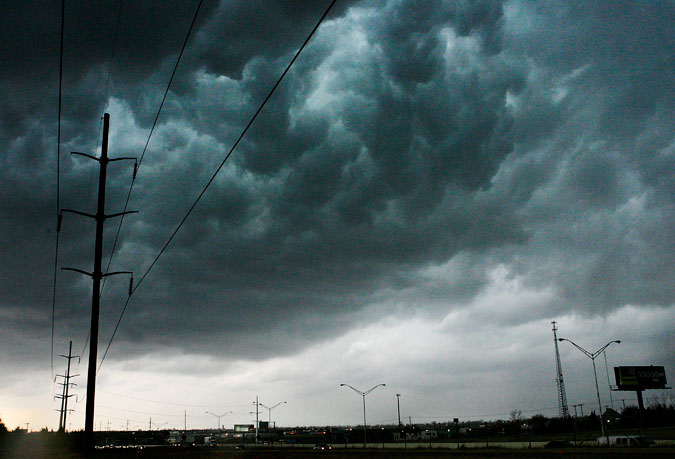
[
  {"x": 363, "y": 395},
  {"x": 592, "y": 356},
  {"x": 398, "y": 407},
  {"x": 157, "y": 426},
  {"x": 219, "y": 416},
  {"x": 269, "y": 415}
]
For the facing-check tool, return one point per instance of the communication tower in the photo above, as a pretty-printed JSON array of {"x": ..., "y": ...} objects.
[{"x": 563, "y": 412}]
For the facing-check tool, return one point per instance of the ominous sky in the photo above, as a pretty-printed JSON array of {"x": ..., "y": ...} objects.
[{"x": 430, "y": 186}]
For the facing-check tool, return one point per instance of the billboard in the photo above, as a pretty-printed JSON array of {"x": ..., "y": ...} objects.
[
  {"x": 244, "y": 428},
  {"x": 640, "y": 378}
]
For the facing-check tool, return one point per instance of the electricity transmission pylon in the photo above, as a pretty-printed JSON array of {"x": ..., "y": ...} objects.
[
  {"x": 66, "y": 388},
  {"x": 100, "y": 217}
]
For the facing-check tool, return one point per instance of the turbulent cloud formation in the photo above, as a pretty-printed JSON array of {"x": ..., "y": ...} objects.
[{"x": 418, "y": 158}]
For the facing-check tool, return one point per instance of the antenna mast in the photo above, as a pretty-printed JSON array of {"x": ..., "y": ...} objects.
[{"x": 563, "y": 412}]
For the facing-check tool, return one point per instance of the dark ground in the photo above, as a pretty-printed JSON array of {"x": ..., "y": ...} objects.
[
  {"x": 56, "y": 445},
  {"x": 34, "y": 451}
]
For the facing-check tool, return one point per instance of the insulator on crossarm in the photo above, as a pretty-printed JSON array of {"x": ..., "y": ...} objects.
[
  {"x": 133, "y": 177},
  {"x": 59, "y": 220},
  {"x": 131, "y": 285}
]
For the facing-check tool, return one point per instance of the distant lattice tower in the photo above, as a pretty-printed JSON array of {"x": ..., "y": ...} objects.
[{"x": 563, "y": 412}]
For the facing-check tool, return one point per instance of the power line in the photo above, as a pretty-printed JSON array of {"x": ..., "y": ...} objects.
[
  {"x": 112, "y": 54},
  {"x": 133, "y": 180},
  {"x": 139, "y": 412},
  {"x": 152, "y": 129},
  {"x": 173, "y": 73},
  {"x": 208, "y": 184},
  {"x": 105, "y": 97},
  {"x": 58, "y": 182},
  {"x": 164, "y": 402}
]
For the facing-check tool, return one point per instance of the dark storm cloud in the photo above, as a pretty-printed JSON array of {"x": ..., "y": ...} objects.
[
  {"x": 409, "y": 136},
  {"x": 238, "y": 30}
]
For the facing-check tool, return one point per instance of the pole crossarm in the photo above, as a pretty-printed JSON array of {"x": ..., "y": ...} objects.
[
  {"x": 85, "y": 155},
  {"x": 92, "y": 275},
  {"x": 96, "y": 216},
  {"x": 78, "y": 271},
  {"x": 109, "y": 160},
  {"x": 363, "y": 394},
  {"x": 373, "y": 388},
  {"x": 219, "y": 415},
  {"x": 79, "y": 213},
  {"x": 117, "y": 272},
  {"x": 354, "y": 389},
  {"x": 270, "y": 408},
  {"x": 590, "y": 355},
  {"x": 124, "y": 158},
  {"x": 120, "y": 213}
]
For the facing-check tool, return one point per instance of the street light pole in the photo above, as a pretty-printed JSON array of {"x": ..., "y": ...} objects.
[
  {"x": 398, "y": 407},
  {"x": 219, "y": 416},
  {"x": 269, "y": 415},
  {"x": 400, "y": 426},
  {"x": 609, "y": 385},
  {"x": 592, "y": 356},
  {"x": 363, "y": 396}
]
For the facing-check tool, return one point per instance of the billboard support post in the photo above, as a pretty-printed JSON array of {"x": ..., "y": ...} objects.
[{"x": 639, "y": 378}]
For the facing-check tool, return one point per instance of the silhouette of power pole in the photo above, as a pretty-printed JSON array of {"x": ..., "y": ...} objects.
[
  {"x": 257, "y": 423},
  {"x": 66, "y": 386},
  {"x": 100, "y": 217},
  {"x": 563, "y": 411}
]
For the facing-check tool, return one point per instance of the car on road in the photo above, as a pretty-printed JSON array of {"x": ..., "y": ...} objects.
[
  {"x": 322, "y": 446},
  {"x": 634, "y": 441}
]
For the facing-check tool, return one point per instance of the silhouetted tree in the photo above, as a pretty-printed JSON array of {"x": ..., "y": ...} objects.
[
  {"x": 515, "y": 415},
  {"x": 538, "y": 423}
]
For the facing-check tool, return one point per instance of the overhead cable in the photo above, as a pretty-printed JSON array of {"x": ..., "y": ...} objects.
[
  {"x": 58, "y": 182},
  {"x": 147, "y": 142},
  {"x": 208, "y": 184}
]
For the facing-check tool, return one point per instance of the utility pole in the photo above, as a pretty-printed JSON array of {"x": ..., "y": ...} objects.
[
  {"x": 563, "y": 411},
  {"x": 257, "y": 412},
  {"x": 66, "y": 385},
  {"x": 100, "y": 217}
]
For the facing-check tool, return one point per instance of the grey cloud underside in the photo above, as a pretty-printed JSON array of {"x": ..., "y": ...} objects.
[{"x": 530, "y": 135}]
